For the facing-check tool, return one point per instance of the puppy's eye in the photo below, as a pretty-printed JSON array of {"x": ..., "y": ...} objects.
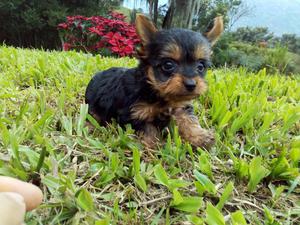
[
  {"x": 168, "y": 66},
  {"x": 200, "y": 67}
]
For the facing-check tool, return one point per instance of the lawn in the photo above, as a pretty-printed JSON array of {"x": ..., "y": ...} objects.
[{"x": 95, "y": 175}]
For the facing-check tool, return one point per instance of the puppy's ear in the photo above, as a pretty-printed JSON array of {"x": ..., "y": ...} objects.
[
  {"x": 216, "y": 31},
  {"x": 145, "y": 28}
]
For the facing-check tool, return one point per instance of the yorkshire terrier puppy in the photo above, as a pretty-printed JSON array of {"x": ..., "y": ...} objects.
[{"x": 170, "y": 74}]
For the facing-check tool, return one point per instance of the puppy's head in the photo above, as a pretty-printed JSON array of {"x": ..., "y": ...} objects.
[{"x": 176, "y": 60}]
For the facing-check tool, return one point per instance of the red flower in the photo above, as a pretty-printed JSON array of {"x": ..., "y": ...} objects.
[
  {"x": 97, "y": 30},
  {"x": 62, "y": 26},
  {"x": 111, "y": 34},
  {"x": 67, "y": 46}
]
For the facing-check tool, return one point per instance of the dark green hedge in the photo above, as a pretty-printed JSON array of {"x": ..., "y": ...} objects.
[{"x": 32, "y": 23}]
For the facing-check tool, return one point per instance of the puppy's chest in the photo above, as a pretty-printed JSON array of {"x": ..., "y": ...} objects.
[{"x": 156, "y": 111}]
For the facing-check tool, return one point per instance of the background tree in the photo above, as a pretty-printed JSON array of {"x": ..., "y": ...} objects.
[
  {"x": 238, "y": 10},
  {"x": 212, "y": 8},
  {"x": 291, "y": 41},
  {"x": 153, "y": 10},
  {"x": 252, "y": 35},
  {"x": 32, "y": 23},
  {"x": 198, "y": 14},
  {"x": 181, "y": 13}
]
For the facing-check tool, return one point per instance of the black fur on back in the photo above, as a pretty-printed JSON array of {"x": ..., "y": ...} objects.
[{"x": 111, "y": 93}]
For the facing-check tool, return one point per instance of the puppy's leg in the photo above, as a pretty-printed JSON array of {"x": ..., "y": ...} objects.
[
  {"x": 150, "y": 136},
  {"x": 190, "y": 129}
]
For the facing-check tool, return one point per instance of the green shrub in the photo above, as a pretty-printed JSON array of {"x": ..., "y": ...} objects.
[
  {"x": 252, "y": 34},
  {"x": 253, "y": 57},
  {"x": 32, "y": 23}
]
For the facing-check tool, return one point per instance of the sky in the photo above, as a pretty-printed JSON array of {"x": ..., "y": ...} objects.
[
  {"x": 280, "y": 16},
  {"x": 140, "y": 4}
]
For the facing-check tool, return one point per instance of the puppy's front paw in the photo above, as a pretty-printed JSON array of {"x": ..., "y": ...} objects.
[
  {"x": 208, "y": 139},
  {"x": 203, "y": 138}
]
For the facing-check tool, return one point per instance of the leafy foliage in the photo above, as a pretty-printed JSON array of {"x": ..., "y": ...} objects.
[
  {"x": 195, "y": 14},
  {"x": 291, "y": 41},
  {"x": 32, "y": 23},
  {"x": 208, "y": 10},
  {"x": 98, "y": 175},
  {"x": 252, "y": 35},
  {"x": 254, "y": 57},
  {"x": 97, "y": 34},
  {"x": 257, "y": 48}
]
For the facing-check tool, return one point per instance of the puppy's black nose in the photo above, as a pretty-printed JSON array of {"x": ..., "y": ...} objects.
[{"x": 190, "y": 84}]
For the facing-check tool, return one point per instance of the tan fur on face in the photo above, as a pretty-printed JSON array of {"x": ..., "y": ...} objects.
[
  {"x": 174, "y": 88},
  {"x": 171, "y": 50},
  {"x": 202, "y": 52},
  {"x": 201, "y": 86}
]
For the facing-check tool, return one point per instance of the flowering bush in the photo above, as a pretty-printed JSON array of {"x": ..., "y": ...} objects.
[{"x": 97, "y": 34}]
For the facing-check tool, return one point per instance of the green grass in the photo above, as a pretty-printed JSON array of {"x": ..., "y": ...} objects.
[{"x": 97, "y": 175}]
